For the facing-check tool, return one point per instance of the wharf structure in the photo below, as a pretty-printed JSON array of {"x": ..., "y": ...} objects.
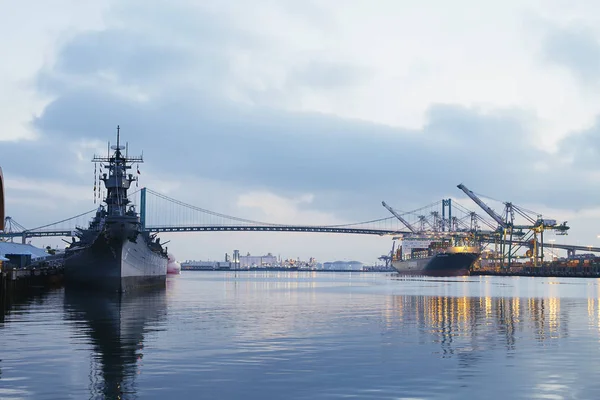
[{"x": 23, "y": 267}]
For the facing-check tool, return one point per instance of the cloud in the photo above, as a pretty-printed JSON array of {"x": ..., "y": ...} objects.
[
  {"x": 576, "y": 49},
  {"x": 265, "y": 206},
  {"x": 259, "y": 146},
  {"x": 583, "y": 148}
]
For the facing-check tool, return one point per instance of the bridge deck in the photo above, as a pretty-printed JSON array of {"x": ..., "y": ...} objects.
[
  {"x": 274, "y": 228},
  {"x": 211, "y": 228}
]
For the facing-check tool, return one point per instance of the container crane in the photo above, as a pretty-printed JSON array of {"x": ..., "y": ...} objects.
[
  {"x": 387, "y": 258},
  {"x": 501, "y": 222},
  {"x": 395, "y": 214},
  {"x": 508, "y": 246}
]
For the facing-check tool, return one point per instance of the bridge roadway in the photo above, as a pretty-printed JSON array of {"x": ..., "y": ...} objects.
[
  {"x": 210, "y": 228},
  {"x": 279, "y": 228}
]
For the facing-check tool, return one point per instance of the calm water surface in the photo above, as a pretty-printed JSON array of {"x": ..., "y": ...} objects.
[{"x": 258, "y": 335}]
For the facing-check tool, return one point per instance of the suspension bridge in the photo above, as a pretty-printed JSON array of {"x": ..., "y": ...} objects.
[{"x": 161, "y": 213}]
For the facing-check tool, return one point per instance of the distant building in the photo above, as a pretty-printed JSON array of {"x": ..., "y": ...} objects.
[
  {"x": 248, "y": 261},
  {"x": 343, "y": 265},
  {"x": 236, "y": 259}
]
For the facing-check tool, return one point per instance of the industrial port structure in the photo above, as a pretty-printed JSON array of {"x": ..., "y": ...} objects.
[{"x": 509, "y": 247}]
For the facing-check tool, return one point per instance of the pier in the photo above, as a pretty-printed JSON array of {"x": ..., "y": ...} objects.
[
  {"x": 35, "y": 276},
  {"x": 551, "y": 269}
]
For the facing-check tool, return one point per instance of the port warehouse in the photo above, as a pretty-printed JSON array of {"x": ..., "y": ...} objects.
[{"x": 19, "y": 255}]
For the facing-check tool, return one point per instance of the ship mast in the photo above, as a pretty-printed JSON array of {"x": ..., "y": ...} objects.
[{"x": 118, "y": 180}]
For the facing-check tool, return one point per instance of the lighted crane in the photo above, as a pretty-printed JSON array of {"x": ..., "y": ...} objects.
[{"x": 506, "y": 225}]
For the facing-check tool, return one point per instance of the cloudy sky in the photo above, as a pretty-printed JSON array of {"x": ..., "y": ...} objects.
[{"x": 304, "y": 112}]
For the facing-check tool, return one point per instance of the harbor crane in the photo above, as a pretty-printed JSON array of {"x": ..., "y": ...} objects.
[
  {"x": 501, "y": 222},
  {"x": 395, "y": 214},
  {"x": 387, "y": 258},
  {"x": 504, "y": 234}
]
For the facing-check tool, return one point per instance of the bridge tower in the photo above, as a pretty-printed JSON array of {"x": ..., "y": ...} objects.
[
  {"x": 446, "y": 222},
  {"x": 143, "y": 208}
]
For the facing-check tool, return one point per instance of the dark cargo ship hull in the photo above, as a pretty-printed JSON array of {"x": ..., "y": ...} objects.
[
  {"x": 442, "y": 264},
  {"x": 117, "y": 265}
]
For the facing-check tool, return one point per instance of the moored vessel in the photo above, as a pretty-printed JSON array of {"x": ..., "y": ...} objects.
[
  {"x": 114, "y": 253},
  {"x": 435, "y": 256}
]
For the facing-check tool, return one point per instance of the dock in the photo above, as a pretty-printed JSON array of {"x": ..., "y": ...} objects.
[
  {"x": 39, "y": 274},
  {"x": 547, "y": 271}
]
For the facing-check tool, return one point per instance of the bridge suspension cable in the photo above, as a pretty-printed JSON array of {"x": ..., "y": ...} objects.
[
  {"x": 64, "y": 220},
  {"x": 203, "y": 210},
  {"x": 216, "y": 214},
  {"x": 359, "y": 223}
]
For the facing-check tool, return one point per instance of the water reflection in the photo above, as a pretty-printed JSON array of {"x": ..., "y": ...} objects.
[
  {"x": 231, "y": 336},
  {"x": 468, "y": 323},
  {"x": 115, "y": 325},
  {"x": 19, "y": 300}
]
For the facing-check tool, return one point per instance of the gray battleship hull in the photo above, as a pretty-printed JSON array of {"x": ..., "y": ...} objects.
[
  {"x": 117, "y": 265},
  {"x": 442, "y": 264}
]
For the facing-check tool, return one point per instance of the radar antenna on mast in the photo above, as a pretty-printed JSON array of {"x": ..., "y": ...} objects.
[{"x": 118, "y": 146}]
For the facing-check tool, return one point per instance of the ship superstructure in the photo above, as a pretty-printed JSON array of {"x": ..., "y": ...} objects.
[{"x": 113, "y": 253}]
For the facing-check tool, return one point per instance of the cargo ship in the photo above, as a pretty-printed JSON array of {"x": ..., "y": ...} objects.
[
  {"x": 435, "y": 256},
  {"x": 114, "y": 253}
]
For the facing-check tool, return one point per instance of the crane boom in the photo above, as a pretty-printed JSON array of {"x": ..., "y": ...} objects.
[
  {"x": 483, "y": 206},
  {"x": 395, "y": 214}
]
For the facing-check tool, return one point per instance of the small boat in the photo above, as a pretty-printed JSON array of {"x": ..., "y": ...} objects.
[{"x": 173, "y": 266}]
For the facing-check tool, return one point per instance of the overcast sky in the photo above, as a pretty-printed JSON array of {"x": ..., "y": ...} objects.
[{"x": 304, "y": 112}]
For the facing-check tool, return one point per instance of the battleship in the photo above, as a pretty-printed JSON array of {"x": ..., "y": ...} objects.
[
  {"x": 431, "y": 256},
  {"x": 114, "y": 253}
]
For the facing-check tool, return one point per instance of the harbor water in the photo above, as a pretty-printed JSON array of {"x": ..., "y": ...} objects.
[{"x": 307, "y": 335}]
